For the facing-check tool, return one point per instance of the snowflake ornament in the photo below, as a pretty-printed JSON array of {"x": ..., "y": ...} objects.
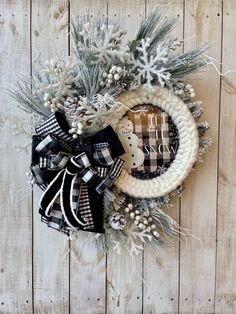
[
  {"x": 104, "y": 41},
  {"x": 150, "y": 67}
]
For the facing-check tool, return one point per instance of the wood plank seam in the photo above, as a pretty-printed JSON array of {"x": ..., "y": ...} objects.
[
  {"x": 32, "y": 191},
  {"x": 218, "y": 151}
]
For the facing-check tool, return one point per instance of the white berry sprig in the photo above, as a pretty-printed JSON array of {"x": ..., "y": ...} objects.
[
  {"x": 76, "y": 130},
  {"x": 113, "y": 76},
  {"x": 53, "y": 104},
  {"x": 142, "y": 220}
]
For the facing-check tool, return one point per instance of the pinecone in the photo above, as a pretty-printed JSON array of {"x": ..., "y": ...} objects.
[
  {"x": 117, "y": 221},
  {"x": 70, "y": 108}
]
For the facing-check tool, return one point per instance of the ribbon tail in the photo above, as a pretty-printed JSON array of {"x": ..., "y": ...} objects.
[
  {"x": 67, "y": 207},
  {"x": 50, "y": 194}
]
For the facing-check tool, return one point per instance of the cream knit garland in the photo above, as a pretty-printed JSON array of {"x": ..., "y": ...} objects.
[{"x": 188, "y": 142}]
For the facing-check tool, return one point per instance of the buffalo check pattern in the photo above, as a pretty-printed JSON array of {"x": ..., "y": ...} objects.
[
  {"x": 80, "y": 192},
  {"x": 72, "y": 186},
  {"x": 158, "y": 138},
  {"x": 112, "y": 175},
  {"x": 102, "y": 154},
  {"x": 52, "y": 126},
  {"x": 80, "y": 199}
]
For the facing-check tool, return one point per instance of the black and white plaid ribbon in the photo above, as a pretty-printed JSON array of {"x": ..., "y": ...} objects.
[
  {"x": 58, "y": 126},
  {"x": 62, "y": 185},
  {"x": 69, "y": 185},
  {"x": 112, "y": 176},
  {"x": 67, "y": 177}
]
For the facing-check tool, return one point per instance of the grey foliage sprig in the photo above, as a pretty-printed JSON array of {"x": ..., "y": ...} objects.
[
  {"x": 28, "y": 98},
  {"x": 155, "y": 27},
  {"x": 187, "y": 62}
]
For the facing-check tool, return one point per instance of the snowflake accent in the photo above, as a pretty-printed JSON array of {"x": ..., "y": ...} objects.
[
  {"x": 62, "y": 82},
  {"x": 97, "y": 112},
  {"x": 103, "y": 41},
  {"x": 150, "y": 67}
]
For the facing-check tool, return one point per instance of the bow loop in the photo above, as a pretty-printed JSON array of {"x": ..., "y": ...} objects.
[
  {"x": 102, "y": 154},
  {"x": 59, "y": 161},
  {"x": 82, "y": 164},
  {"x": 82, "y": 160},
  {"x": 48, "y": 146}
]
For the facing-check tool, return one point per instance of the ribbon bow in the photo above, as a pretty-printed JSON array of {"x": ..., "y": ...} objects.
[{"x": 74, "y": 181}]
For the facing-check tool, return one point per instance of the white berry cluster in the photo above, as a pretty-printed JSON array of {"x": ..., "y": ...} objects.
[
  {"x": 113, "y": 76},
  {"x": 76, "y": 130},
  {"x": 53, "y": 104},
  {"x": 184, "y": 90},
  {"x": 191, "y": 90},
  {"x": 142, "y": 219}
]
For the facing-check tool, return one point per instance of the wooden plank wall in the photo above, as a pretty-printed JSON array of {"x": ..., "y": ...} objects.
[{"x": 37, "y": 273}]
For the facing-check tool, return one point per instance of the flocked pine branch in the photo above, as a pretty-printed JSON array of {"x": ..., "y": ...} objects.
[
  {"x": 27, "y": 100},
  {"x": 187, "y": 62},
  {"x": 99, "y": 41},
  {"x": 156, "y": 27}
]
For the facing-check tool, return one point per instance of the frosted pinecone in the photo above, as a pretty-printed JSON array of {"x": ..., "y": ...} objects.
[
  {"x": 195, "y": 109},
  {"x": 117, "y": 221},
  {"x": 202, "y": 128},
  {"x": 70, "y": 108}
]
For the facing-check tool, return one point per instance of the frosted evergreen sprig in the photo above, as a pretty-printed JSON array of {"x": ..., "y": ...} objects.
[
  {"x": 156, "y": 27},
  {"x": 186, "y": 63},
  {"x": 28, "y": 98}
]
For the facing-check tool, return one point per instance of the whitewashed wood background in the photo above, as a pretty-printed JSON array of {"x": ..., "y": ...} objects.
[{"x": 36, "y": 276}]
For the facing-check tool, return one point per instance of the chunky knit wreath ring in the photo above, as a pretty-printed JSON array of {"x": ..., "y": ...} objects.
[{"x": 187, "y": 150}]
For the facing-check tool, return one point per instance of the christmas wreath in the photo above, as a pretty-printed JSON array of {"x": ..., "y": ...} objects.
[{"x": 116, "y": 132}]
